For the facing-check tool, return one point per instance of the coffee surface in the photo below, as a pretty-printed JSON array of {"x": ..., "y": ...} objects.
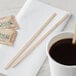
[{"x": 64, "y": 52}]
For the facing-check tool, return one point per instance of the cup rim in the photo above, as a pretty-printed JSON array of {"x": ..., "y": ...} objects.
[{"x": 47, "y": 52}]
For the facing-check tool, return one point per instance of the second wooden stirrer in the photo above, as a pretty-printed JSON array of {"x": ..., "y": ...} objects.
[{"x": 29, "y": 50}]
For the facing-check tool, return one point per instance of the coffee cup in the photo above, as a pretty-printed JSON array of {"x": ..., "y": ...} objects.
[{"x": 61, "y": 62}]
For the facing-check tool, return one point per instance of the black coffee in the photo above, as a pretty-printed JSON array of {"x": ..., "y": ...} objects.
[{"x": 64, "y": 52}]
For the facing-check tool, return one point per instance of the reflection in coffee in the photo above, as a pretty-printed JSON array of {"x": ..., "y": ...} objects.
[{"x": 64, "y": 52}]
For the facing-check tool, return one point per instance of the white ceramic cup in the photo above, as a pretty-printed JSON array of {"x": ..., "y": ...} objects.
[{"x": 56, "y": 68}]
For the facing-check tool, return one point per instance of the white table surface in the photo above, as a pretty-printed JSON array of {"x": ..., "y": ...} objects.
[{"x": 8, "y": 7}]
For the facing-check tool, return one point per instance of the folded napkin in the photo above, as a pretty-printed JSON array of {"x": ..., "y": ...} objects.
[{"x": 30, "y": 18}]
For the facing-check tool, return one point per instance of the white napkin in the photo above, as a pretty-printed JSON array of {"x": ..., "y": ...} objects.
[{"x": 31, "y": 16}]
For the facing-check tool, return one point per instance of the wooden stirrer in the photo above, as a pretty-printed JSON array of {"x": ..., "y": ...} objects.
[
  {"x": 36, "y": 44},
  {"x": 31, "y": 40},
  {"x": 74, "y": 37}
]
